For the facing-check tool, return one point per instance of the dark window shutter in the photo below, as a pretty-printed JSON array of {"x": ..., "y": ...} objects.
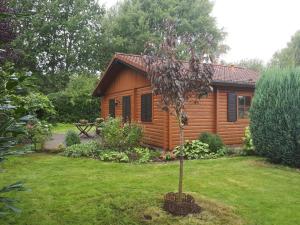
[
  {"x": 146, "y": 108},
  {"x": 111, "y": 108},
  {"x": 231, "y": 107},
  {"x": 126, "y": 110}
]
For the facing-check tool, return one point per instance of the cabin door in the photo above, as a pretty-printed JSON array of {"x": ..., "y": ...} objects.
[{"x": 126, "y": 109}]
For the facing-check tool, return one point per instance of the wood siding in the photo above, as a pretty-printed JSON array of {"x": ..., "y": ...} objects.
[
  {"x": 231, "y": 132},
  {"x": 209, "y": 114},
  {"x": 134, "y": 85}
]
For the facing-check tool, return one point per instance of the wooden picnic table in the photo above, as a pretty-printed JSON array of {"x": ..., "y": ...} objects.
[{"x": 84, "y": 128}]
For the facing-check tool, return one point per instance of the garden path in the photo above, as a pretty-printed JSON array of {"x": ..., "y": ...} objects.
[{"x": 59, "y": 138}]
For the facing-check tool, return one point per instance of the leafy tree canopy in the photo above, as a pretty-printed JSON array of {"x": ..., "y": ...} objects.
[
  {"x": 132, "y": 23},
  {"x": 59, "y": 38},
  {"x": 290, "y": 55},
  {"x": 253, "y": 64}
]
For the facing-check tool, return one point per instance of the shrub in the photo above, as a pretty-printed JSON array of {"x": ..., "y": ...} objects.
[
  {"x": 113, "y": 156},
  {"x": 132, "y": 135},
  {"x": 88, "y": 149},
  {"x": 76, "y": 102},
  {"x": 72, "y": 138},
  {"x": 38, "y": 132},
  {"x": 230, "y": 151},
  {"x": 214, "y": 141},
  {"x": 112, "y": 133},
  {"x": 248, "y": 142},
  {"x": 143, "y": 155},
  {"x": 116, "y": 136},
  {"x": 275, "y": 117},
  {"x": 195, "y": 150}
]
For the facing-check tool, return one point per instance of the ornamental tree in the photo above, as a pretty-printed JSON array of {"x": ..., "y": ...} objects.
[{"x": 177, "y": 81}]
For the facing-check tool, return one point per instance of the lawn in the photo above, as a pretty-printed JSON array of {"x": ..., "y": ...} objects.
[
  {"x": 62, "y": 128},
  {"x": 244, "y": 190}
]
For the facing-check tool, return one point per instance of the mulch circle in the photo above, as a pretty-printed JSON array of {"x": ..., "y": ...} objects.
[{"x": 183, "y": 208}]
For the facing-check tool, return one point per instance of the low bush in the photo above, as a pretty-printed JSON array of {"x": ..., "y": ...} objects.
[
  {"x": 88, "y": 149},
  {"x": 115, "y": 135},
  {"x": 214, "y": 141},
  {"x": 195, "y": 150},
  {"x": 248, "y": 146},
  {"x": 113, "y": 156},
  {"x": 72, "y": 138},
  {"x": 230, "y": 151},
  {"x": 132, "y": 134},
  {"x": 142, "y": 155},
  {"x": 37, "y": 133}
]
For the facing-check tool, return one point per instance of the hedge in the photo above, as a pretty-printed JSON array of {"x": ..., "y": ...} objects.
[{"x": 275, "y": 116}]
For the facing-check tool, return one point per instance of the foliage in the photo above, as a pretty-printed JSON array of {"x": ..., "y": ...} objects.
[
  {"x": 113, "y": 156},
  {"x": 143, "y": 154},
  {"x": 132, "y": 23},
  {"x": 5, "y": 202},
  {"x": 37, "y": 104},
  {"x": 274, "y": 117},
  {"x": 290, "y": 55},
  {"x": 230, "y": 151},
  {"x": 116, "y": 136},
  {"x": 132, "y": 134},
  {"x": 214, "y": 141},
  {"x": 75, "y": 102},
  {"x": 72, "y": 138},
  {"x": 87, "y": 149},
  {"x": 253, "y": 64},
  {"x": 195, "y": 150},
  {"x": 60, "y": 38},
  {"x": 248, "y": 142},
  {"x": 10, "y": 85},
  {"x": 38, "y": 132}
]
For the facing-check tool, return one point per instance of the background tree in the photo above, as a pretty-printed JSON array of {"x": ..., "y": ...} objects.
[
  {"x": 131, "y": 23},
  {"x": 275, "y": 118},
  {"x": 60, "y": 38},
  {"x": 75, "y": 101},
  {"x": 253, "y": 64},
  {"x": 290, "y": 55},
  {"x": 175, "y": 81}
]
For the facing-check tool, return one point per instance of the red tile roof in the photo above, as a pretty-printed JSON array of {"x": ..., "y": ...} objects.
[{"x": 226, "y": 75}]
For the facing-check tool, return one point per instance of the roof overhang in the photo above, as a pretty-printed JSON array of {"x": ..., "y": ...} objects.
[{"x": 117, "y": 64}]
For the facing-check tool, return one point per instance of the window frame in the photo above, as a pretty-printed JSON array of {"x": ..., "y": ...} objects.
[
  {"x": 109, "y": 107},
  {"x": 128, "y": 119},
  {"x": 245, "y": 108},
  {"x": 147, "y": 120}
]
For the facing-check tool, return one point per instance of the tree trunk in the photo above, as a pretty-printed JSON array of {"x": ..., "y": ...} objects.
[{"x": 181, "y": 160}]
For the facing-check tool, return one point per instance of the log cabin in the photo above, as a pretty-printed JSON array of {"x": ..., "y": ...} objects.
[{"x": 126, "y": 92}]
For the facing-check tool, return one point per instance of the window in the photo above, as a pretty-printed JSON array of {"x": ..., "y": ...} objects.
[
  {"x": 126, "y": 109},
  {"x": 112, "y": 108},
  {"x": 244, "y": 103},
  {"x": 146, "y": 108},
  {"x": 231, "y": 107}
]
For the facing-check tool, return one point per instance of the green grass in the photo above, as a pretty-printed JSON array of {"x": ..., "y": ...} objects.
[
  {"x": 85, "y": 191},
  {"x": 62, "y": 128}
]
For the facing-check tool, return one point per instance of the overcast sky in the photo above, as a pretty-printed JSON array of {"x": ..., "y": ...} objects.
[{"x": 256, "y": 28}]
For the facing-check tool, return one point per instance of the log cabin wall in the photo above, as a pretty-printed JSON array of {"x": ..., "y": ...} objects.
[
  {"x": 231, "y": 132},
  {"x": 210, "y": 114},
  {"x": 130, "y": 83}
]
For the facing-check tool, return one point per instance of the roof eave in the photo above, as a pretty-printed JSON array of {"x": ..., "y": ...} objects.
[{"x": 233, "y": 84}]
